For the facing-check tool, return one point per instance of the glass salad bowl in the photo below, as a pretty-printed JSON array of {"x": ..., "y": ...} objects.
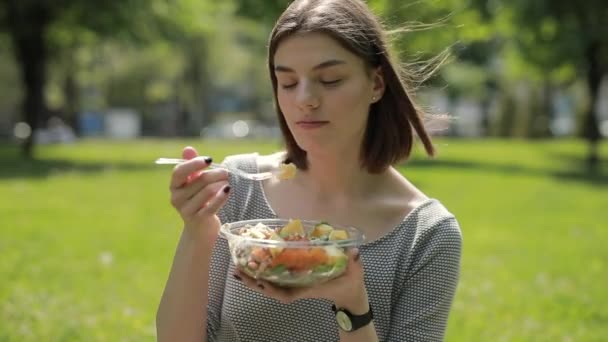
[{"x": 290, "y": 253}]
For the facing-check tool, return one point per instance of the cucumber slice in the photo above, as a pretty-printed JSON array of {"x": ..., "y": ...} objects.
[
  {"x": 340, "y": 264},
  {"x": 322, "y": 268},
  {"x": 278, "y": 269}
]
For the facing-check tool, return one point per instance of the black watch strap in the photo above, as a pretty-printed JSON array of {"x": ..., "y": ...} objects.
[{"x": 350, "y": 322}]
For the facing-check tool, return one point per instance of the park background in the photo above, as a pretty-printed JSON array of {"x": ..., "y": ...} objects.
[{"x": 92, "y": 92}]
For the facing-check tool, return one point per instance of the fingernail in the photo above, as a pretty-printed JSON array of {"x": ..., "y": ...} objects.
[
  {"x": 227, "y": 189},
  {"x": 208, "y": 160},
  {"x": 357, "y": 255},
  {"x": 236, "y": 276},
  {"x": 261, "y": 286}
]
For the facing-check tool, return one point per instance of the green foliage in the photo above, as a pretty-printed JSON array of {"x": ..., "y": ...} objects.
[
  {"x": 198, "y": 48},
  {"x": 110, "y": 49},
  {"x": 9, "y": 75},
  {"x": 88, "y": 234},
  {"x": 266, "y": 11},
  {"x": 549, "y": 39},
  {"x": 451, "y": 34},
  {"x": 465, "y": 78}
]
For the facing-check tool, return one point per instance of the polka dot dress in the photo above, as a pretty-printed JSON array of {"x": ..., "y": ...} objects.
[{"x": 411, "y": 276}]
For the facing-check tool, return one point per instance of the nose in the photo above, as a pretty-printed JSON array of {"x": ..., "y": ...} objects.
[{"x": 306, "y": 96}]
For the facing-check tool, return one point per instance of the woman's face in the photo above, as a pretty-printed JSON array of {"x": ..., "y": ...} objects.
[{"x": 324, "y": 92}]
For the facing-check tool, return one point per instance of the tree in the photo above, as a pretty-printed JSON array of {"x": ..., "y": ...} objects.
[
  {"x": 556, "y": 36},
  {"x": 28, "y": 23},
  {"x": 266, "y": 11}
]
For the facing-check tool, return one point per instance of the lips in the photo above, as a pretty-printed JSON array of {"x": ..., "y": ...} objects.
[{"x": 311, "y": 124}]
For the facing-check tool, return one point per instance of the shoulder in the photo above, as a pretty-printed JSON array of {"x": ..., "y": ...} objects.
[
  {"x": 436, "y": 228},
  {"x": 270, "y": 161},
  {"x": 242, "y": 188},
  {"x": 261, "y": 163},
  {"x": 431, "y": 223},
  {"x": 251, "y": 163},
  {"x": 241, "y": 161},
  {"x": 433, "y": 237},
  {"x": 432, "y": 214}
]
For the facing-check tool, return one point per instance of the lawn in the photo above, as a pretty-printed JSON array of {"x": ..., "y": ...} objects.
[{"x": 87, "y": 236}]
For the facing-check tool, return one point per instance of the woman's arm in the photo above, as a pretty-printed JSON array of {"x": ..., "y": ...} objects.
[
  {"x": 365, "y": 334},
  {"x": 358, "y": 307},
  {"x": 421, "y": 310},
  {"x": 197, "y": 196},
  {"x": 182, "y": 313}
]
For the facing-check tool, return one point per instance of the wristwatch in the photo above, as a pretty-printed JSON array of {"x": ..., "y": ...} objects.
[{"x": 349, "y": 322}]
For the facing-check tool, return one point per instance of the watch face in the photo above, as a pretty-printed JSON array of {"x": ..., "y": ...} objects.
[{"x": 344, "y": 321}]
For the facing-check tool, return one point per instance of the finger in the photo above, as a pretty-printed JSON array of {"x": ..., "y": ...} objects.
[
  {"x": 189, "y": 152},
  {"x": 182, "y": 171},
  {"x": 257, "y": 285},
  {"x": 181, "y": 195},
  {"x": 268, "y": 289},
  {"x": 248, "y": 281},
  {"x": 282, "y": 295},
  {"x": 290, "y": 295},
  {"x": 354, "y": 261},
  {"x": 202, "y": 197},
  {"x": 205, "y": 178},
  {"x": 244, "y": 277},
  {"x": 216, "y": 202}
]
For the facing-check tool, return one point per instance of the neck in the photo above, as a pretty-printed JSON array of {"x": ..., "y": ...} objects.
[{"x": 338, "y": 177}]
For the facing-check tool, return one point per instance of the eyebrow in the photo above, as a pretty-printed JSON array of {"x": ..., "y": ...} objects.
[{"x": 326, "y": 64}]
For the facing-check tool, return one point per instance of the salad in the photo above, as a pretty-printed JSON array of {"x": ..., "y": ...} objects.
[
  {"x": 287, "y": 171},
  {"x": 312, "y": 256}
]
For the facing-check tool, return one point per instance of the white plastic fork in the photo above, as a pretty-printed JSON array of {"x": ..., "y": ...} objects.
[{"x": 253, "y": 176}]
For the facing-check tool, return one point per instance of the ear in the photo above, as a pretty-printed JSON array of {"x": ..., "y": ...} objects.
[{"x": 378, "y": 84}]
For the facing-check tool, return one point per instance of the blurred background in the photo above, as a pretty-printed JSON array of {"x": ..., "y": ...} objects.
[{"x": 92, "y": 92}]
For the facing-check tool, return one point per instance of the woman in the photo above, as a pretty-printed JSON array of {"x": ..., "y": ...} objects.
[{"x": 346, "y": 119}]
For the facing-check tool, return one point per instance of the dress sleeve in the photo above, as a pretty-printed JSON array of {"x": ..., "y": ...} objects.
[
  {"x": 220, "y": 262},
  {"x": 421, "y": 309}
]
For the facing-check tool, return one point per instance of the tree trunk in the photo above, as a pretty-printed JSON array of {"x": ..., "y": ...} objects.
[
  {"x": 486, "y": 105},
  {"x": 591, "y": 125},
  {"x": 197, "y": 76},
  {"x": 540, "y": 110},
  {"x": 27, "y": 25},
  {"x": 71, "y": 93},
  {"x": 508, "y": 110}
]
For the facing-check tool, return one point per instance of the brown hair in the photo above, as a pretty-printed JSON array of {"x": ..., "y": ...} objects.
[{"x": 389, "y": 136}]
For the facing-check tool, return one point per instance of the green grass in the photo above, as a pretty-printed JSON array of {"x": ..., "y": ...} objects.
[{"x": 87, "y": 236}]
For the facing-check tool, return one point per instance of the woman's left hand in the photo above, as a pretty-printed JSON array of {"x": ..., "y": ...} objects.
[{"x": 345, "y": 290}]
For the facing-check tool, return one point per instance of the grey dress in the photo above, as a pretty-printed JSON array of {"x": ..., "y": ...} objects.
[{"x": 411, "y": 275}]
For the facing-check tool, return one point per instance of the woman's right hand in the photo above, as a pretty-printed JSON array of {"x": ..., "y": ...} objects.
[{"x": 198, "y": 194}]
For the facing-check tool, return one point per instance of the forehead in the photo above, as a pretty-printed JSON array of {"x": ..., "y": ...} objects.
[{"x": 306, "y": 50}]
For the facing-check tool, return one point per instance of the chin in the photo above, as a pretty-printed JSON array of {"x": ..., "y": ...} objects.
[{"x": 316, "y": 149}]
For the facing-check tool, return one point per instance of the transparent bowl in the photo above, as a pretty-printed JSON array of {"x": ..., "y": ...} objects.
[{"x": 289, "y": 263}]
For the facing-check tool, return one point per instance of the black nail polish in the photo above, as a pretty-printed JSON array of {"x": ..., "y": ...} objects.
[
  {"x": 208, "y": 160},
  {"x": 226, "y": 189},
  {"x": 236, "y": 276}
]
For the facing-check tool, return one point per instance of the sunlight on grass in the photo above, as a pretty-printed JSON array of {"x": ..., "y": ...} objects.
[{"x": 87, "y": 236}]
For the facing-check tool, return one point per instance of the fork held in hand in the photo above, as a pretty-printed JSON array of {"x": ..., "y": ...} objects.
[{"x": 253, "y": 176}]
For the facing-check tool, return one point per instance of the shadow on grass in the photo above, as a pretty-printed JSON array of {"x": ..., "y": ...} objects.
[
  {"x": 570, "y": 167},
  {"x": 12, "y": 166},
  {"x": 573, "y": 170},
  {"x": 44, "y": 168},
  {"x": 582, "y": 173}
]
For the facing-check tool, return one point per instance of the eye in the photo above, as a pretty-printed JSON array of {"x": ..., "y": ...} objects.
[
  {"x": 331, "y": 83},
  {"x": 289, "y": 86}
]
